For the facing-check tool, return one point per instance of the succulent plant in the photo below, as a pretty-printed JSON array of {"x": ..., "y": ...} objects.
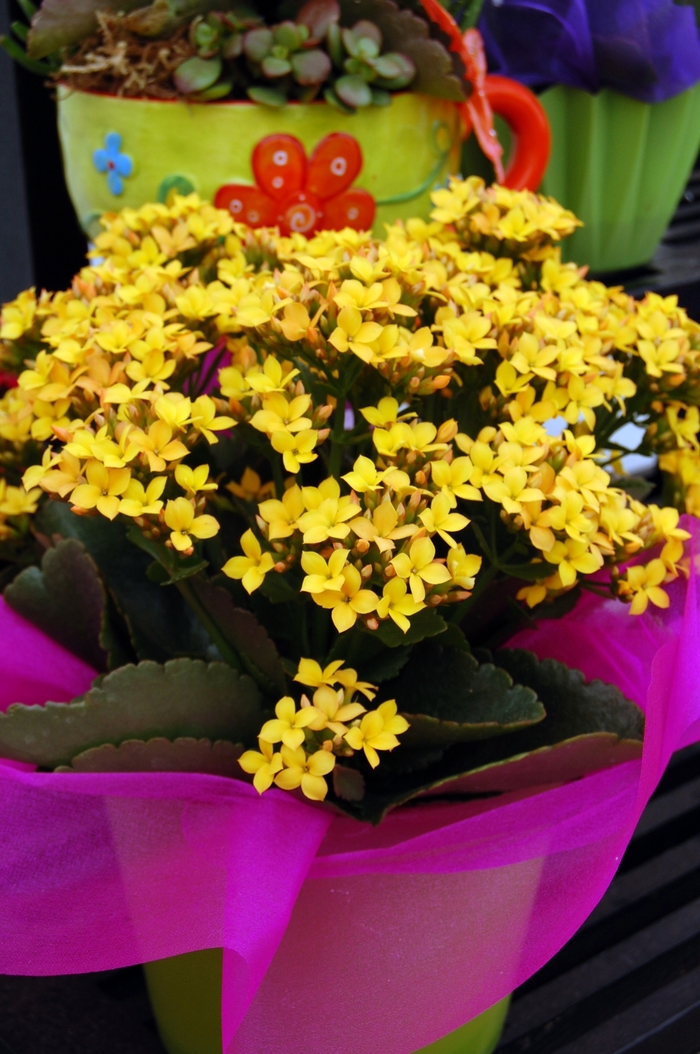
[
  {"x": 292, "y": 59},
  {"x": 223, "y": 48}
]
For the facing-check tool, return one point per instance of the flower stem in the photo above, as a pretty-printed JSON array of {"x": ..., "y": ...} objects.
[{"x": 224, "y": 647}]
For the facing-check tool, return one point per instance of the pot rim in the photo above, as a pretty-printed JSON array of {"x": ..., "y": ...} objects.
[{"x": 70, "y": 90}]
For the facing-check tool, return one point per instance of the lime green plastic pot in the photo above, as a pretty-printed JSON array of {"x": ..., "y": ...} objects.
[
  {"x": 621, "y": 166},
  {"x": 407, "y": 147},
  {"x": 185, "y": 996}
]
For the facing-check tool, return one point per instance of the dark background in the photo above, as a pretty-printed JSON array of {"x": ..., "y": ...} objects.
[{"x": 40, "y": 241}]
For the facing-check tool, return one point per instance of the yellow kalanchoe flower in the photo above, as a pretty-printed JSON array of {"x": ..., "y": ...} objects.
[
  {"x": 419, "y": 567},
  {"x": 138, "y": 501},
  {"x": 184, "y": 525},
  {"x": 311, "y": 674},
  {"x": 643, "y": 584},
  {"x": 263, "y": 765},
  {"x": 295, "y": 448},
  {"x": 377, "y": 731},
  {"x": 103, "y": 489},
  {"x": 306, "y": 772},
  {"x": 439, "y": 519},
  {"x": 322, "y": 576},
  {"x": 330, "y": 710},
  {"x": 194, "y": 480},
  {"x": 348, "y": 600},
  {"x": 397, "y": 604},
  {"x": 250, "y": 487},
  {"x": 15, "y": 501},
  {"x": 251, "y": 568},
  {"x": 282, "y": 516},
  {"x": 288, "y": 724}
]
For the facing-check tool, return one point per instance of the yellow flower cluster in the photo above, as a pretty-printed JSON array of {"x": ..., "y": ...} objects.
[
  {"x": 503, "y": 221},
  {"x": 299, "y": 747},
  {"x": 368, "y": 554},
  {"x": 444, "y": 398},
  {"x": 15, "y": 506}
]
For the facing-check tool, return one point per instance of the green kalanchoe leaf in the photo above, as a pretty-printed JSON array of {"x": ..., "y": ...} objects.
[
  {"x": 186, "y": 697},
  {"x": 348, "y": 784},
  {"x": 66, "y": 599},
  {"x": 447, "y": 697},
  {"x": 185, "y": 754},
  {"x": 242, "y": 631},
  {"x": 573, "y": 706},
  {"x": 560, "y": 763},
  {"x": 366, "y": 30},
  {"x": 427, "y": 623},
  {"x": 233, "y": 47},
  {"x": 588, "y": 726},
  {"x": 160, "y": 624}
]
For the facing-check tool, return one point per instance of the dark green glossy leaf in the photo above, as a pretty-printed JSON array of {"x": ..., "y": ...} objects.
[
  {"x": 186, "y": 697},
  {"x": 427, "y": 623},
  {"x": 447, "y": 697},
  {"x": 161, "y": 755},
  {"x": 574, "y": 706},
  {"x": 65, "y": 598},
  {"x": 160, "y": 623},
  {"x": 560, "y": 763},
  {"x": 588, "y": 726},
  {"x": 242, "y": 631},
  {"x": 348, "y": 784}
]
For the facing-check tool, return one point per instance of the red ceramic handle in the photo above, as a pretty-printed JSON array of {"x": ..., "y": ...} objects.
[{"x": 529, "y": 126}]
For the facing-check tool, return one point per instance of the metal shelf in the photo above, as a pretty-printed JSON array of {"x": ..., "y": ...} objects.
[{"x": 629, "y": 981}]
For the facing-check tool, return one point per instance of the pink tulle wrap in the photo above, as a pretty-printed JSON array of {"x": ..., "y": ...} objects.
[{"x": 339, "y": 937}]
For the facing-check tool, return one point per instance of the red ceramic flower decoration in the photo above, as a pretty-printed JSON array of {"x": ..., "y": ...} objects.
[{"x": 300, "y": 195}]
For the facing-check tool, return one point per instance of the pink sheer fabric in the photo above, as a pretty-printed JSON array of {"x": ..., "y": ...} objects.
[{"x": 338, "y": 937}]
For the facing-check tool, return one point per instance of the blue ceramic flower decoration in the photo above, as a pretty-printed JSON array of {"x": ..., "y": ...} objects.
[{"x": 118, "y": 166}]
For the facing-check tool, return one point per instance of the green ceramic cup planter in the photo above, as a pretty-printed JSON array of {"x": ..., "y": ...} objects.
[
  {"x": 620, "y": 166},
  {"x": 185, "y": 996},
  {"x": 154, "y": 147}
]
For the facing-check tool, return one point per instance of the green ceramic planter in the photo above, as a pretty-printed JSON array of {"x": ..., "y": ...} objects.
[
  {"x": 185, "y": 996},
  {"x": 407, "y": 148},
  {"x": 621, "y": 166}
]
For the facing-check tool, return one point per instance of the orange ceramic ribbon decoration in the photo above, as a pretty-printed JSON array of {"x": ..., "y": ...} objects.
[{"x": 516, "y": 104}]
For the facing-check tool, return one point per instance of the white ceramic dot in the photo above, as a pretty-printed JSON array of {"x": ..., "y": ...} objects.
[
  {"x": 253, "y": 216},
  {"x": 339, "y": 166},
  {"x": 278, "y": 182},
  {"x": 280, "y": 157},
  {"x": 353, "y": 213},
  {"x": 235, "y": 206}
]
